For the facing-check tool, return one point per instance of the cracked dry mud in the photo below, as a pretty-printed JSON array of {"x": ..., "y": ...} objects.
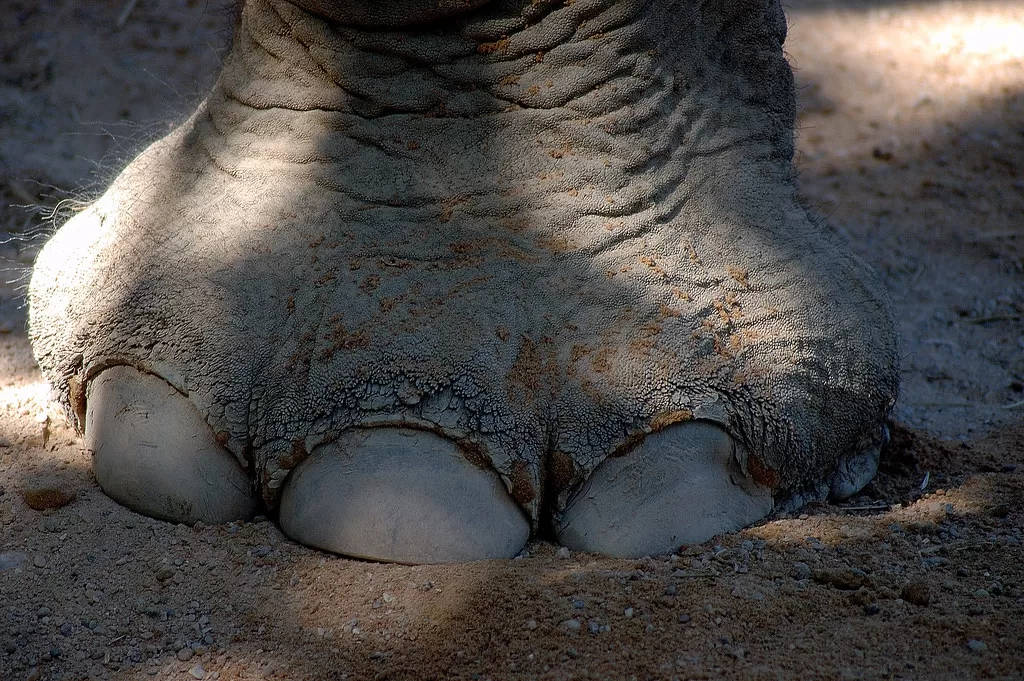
[{"x": 910, "y": 141}]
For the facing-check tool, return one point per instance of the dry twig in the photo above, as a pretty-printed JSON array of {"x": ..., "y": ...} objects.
[{"x": 122, "y": 18}]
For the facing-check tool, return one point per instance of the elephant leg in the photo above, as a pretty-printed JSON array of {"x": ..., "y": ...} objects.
[
  {"x": 155, "y": 454},
  {"x": 400, "y": 495},
  {"x": 682, "y": 485}
]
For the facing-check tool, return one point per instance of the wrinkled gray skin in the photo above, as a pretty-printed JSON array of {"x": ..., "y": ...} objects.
[{"x": 424, "y": 277}]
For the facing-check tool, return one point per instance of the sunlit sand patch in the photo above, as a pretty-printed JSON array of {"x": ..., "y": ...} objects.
[
  {"x": 936, "y": 58},
  {"x": 26, "y": 399},
  {"x": 987, "y": 35},
  {"x": 978, "y": 496}
]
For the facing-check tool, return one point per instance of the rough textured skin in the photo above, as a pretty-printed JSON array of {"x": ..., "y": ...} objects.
[{"x": 541, "y": 229}]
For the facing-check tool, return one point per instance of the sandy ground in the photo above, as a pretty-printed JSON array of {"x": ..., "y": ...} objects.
[{"x": 911, "y": 141}]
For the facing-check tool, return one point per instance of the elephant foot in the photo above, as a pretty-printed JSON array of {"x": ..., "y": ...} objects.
[
  {"x": 400, "y": 495},
  {"x": 682, "y": 485},
  {"x": 154, "y": 453}
]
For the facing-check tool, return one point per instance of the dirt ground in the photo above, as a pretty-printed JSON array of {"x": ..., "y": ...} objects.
[{"x": 911, "y": 141}]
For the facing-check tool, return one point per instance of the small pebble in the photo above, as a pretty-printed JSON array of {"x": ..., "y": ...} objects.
[
  {"x": 628, "y": 612},
  {"x": 12, "y": 560},
  {"x": 531, "y": 624},
  {"x": 999, "y": 510},
  {"x": 684, "y": 618},
  {"x": 185, "y": 654},
  {"x": 801, "y": 570},
  {"x": 593, "y": 626},
  {"x": 917, "y": 592},
  {"x": 197, "y": 672},
  {"x": 849, "y": 579},
  {"x": 563, "y": 552},
  {"x": 578, "y": 604},
  {"x": 47, "y": 498},
  {"x": 977, "y": 646},
  {"x": 164, "y": 573},
  {"x": 572, "y": 625},
  {"x": 39, "y": 561}
]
